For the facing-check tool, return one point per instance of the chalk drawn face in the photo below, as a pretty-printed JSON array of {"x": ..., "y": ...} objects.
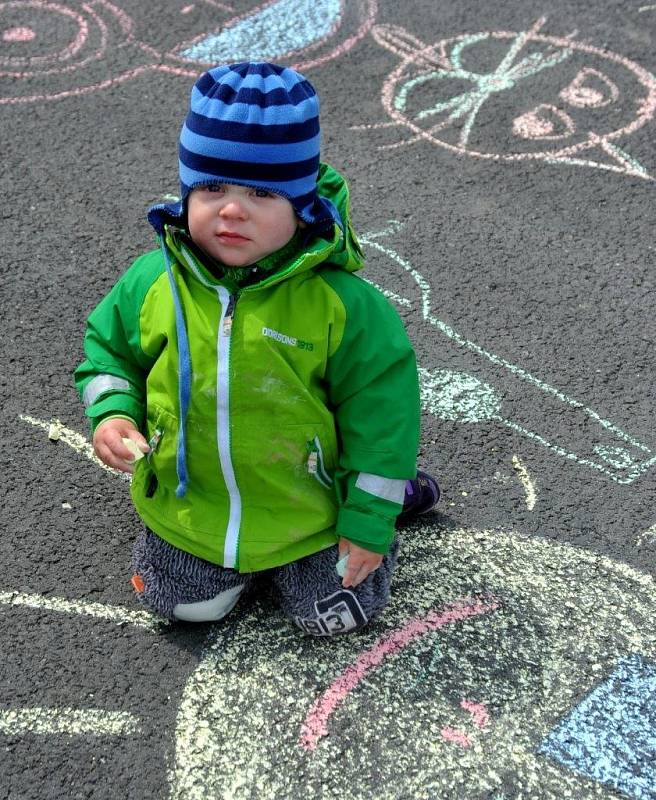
[
  {"x": 515, "y": 96},
  {"x": 83, "y": 47}
]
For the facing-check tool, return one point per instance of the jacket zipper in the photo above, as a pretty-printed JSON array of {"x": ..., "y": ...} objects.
[{"x": 228, "y": 302}]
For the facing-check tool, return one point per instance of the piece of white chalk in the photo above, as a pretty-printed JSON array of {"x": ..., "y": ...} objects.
[
  {"x": 341, "y": 565},
  {"x": 133, "y": 447}
]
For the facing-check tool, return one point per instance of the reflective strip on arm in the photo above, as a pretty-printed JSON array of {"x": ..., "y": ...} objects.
[
  {"x": 391, "y": 489},
  {"x": 101, "y": 384}
]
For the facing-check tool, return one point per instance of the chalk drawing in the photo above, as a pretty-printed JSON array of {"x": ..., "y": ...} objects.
[
  {"x": 438, "y": 95},
  {"x": 75, "y": 441},
  {"x": 648, "y": 536},
  {"x": 526, "y": 481},
  {"x": 70, "y": 721},
  {"x": 611, "y": 735},
  {"x": 581, "y": 435},
  {"x": 102, "y": 45},
  {"x": 280, "y": 27},
  {"x": 115, "y": 614},
  {"x": 315, "y": 725},
  {"x": 269, "y": 714}
]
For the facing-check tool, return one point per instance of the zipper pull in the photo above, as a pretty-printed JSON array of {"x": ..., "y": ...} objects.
[{"x": 226, "y": 329}]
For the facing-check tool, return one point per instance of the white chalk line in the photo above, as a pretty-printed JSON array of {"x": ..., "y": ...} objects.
[
  {"x": 648, "y": 536},
  {"x": 74, "y": 440},
  {"x": 527, "y": 483},
  {"x": 90, "y": 721},
  {"x": 115, "y": 614},
  {"x": 394, "y": 226}
]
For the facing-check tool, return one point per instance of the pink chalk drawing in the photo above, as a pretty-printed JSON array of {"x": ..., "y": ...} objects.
[
  {"x": 480, "y": 714},
  {"x": 18, "y": 35},
  {"x": 455, "y": 94},
  {"x": 542, "y": 122},
  {"x": 480, "y": 717},
  {"x": 315, "y": 725},
  {"x": 56, "y": 50},
  {"x": 455, "y": 737}
]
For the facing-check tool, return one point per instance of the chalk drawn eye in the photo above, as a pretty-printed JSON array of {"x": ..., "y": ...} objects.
[
  {"x": 544, "y": 122},
  {"x": 590, "y": 89}
]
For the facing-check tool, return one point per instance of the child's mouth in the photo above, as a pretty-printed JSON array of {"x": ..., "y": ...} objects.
[{"x": 228, "y": 237}]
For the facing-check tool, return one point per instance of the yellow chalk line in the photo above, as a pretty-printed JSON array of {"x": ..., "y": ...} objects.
[
  {"x": 527, "y": 483},
  {"x": 74, "y": 440},
  {"x": 121, "y": 616},
  {"x": 93, "y": 721}
]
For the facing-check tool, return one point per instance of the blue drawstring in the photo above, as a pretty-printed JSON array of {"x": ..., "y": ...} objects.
[{"x": 184, "y": 377}]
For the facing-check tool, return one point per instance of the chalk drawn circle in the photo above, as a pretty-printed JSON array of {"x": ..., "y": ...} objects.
[
  {"x": 413, "y": 71},
  {"x": 40, "y": 16},
  {"x": 500, "y": 681}
]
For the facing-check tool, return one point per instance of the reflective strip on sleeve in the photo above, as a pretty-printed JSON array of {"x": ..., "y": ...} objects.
[
  {"x": 391, "y": 489},
  {"x": 101, "y": 384}
]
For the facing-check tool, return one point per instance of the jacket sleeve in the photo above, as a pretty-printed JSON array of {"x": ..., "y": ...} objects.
[
  {"x": 111, "y": 381},
  {"x": 373, "y": 389}
]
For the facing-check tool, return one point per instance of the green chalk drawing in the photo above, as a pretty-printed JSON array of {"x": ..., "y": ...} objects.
[
  {"x": 458, "y": 397},
  {"x": 581, "y": 435}
]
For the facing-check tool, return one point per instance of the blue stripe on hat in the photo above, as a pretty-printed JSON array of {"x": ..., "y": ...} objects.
[
  {"x": 257, "y": 93},
  {"x": 241, "y": 110},
  {"x": 237, "y": 150},
  {"x": 231, "y": 130},
  {"x": 229, "y": 77}
]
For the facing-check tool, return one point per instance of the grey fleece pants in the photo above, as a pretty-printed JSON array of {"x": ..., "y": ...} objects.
[{"x": 179, "y": 585}]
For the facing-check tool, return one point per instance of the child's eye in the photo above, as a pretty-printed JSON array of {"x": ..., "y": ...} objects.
[
  {"x": 215, "y": 187},
  {"x": 262, "y": 193}
]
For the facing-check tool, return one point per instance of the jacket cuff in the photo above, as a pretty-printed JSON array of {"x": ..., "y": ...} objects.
[
  {"x": 369, "y": 531},
  {"x": 117, "y": 405}
]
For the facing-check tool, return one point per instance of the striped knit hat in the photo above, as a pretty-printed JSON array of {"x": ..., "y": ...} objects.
[{"x": 254, "y": 124}]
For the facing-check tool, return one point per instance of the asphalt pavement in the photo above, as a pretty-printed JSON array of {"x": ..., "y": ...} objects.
[{"x": 502, "y": 168}]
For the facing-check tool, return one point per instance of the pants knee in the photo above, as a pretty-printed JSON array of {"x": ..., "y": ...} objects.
[{"x": 209, "y": 610}]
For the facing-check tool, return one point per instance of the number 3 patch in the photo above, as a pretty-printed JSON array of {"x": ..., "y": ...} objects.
[{"x": 339, "y": 613}]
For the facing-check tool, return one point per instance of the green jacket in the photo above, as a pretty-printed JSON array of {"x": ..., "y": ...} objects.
[{"x": 302, "y": 418}]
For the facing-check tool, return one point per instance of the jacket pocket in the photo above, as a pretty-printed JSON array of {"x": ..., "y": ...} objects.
[
  {"x": 162, "y": 433},
  {"x": 317, "y": 463}
]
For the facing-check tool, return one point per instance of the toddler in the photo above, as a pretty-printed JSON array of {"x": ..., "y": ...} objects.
[{"x": 272, "y": 392}]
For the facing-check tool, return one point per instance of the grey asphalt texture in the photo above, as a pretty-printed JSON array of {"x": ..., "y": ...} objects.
[{"x": 548, "y": 266}]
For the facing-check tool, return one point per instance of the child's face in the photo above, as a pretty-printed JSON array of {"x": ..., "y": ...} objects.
[{"x": 239, "y": 225}]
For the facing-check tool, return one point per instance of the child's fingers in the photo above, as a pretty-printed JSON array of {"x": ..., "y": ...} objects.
[
  {"x": 111, "y": 448},
  {"x": 357, "y": 570}
]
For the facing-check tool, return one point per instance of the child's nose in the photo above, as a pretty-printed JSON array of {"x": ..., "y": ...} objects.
[{"x": 233, "y": 208}]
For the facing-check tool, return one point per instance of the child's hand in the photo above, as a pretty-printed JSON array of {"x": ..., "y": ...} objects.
[
  {"x": 108, "y": 443},
  {"x": 360, "y": 562}
]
